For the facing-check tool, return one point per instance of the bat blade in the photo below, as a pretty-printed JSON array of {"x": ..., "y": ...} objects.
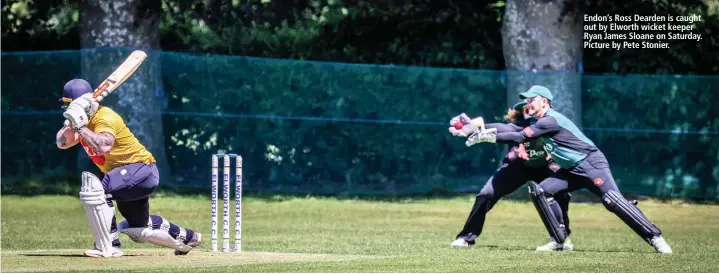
[{"x": 124, "y": 71}]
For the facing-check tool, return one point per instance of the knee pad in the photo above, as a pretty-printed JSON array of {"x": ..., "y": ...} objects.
[
  {"x": 631, "y": 215},
  {"x": 547, "y": 206}
]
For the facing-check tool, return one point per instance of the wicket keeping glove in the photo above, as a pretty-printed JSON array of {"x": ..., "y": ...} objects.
[
  {"x": 483, "y": 136},
  {"x": 456, "y": 119},
  {"x": 460, "y": 118},
  {"x": 466, "y": 130},
  {"x": 469, "y": 126}
]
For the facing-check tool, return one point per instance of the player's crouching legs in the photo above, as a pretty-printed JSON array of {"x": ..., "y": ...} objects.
[
  {"x": 139, "y": 225},
  {"x": 603, "y": 184},
  {"x": 562, "y": 198},
  {"x": 483, "y": 202},
  {"x": 160, "y": 231},
  {"x": 634, "y": 218},
  {"x": 101, "y": 217},
  {"x": 550, "y": 212}
]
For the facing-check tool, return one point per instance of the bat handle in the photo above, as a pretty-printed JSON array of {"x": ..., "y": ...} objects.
[{"x": 100, "y": 96}]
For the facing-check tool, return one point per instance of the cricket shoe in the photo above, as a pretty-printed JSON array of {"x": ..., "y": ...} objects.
[
  {"x": 96, "y": 253},
  {"x": 660, "y": 245},
  {"x": 460, "y": 243},
  {"x": 552, "y": 245},
  {"x": 194, "y": 242}
]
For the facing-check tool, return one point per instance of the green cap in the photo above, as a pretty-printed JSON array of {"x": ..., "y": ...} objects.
[
  {"x": 535, "y": 91},
  {"x": 519, "y": 106}
]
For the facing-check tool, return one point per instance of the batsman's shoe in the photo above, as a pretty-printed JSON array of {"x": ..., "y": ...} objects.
[
  {"x": 552, "y": 245},
  {"x": 194, "y": 242},
  {"x": 96, "y": 253},
  {"x": 660, "y": 245},
  {"x": 460, "y": 243}
]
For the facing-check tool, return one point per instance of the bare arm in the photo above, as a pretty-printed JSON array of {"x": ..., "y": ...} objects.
[
  {"x": 63, "y": 142},
  {"x": 99, "y": 142}
]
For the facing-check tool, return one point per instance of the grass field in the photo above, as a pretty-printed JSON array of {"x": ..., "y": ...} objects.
[{"x": 48, "y": 233}]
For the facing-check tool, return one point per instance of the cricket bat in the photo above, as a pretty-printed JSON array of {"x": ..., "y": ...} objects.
[{"x": 119, "y": 76}]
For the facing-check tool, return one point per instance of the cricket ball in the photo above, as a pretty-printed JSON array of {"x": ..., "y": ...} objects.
[{"x": 458, "y": 125}]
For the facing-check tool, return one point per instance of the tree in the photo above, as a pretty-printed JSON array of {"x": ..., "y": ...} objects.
[
  {"x": 109, "y": 31},
  {"x": 542, "y": 44}
]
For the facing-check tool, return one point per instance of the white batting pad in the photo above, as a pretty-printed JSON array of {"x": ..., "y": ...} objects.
[
  {"x": 99, "y": 214},
  {"x": 159, "y": 237}
]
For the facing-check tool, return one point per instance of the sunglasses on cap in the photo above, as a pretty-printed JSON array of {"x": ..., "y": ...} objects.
[{"x": 65, "y": 102}]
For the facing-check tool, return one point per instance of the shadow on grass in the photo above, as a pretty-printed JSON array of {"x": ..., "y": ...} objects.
[
  {"x": 64, "y": 255},
  {"x": 504, "y": 247},
  {"x": 50, "y": 255},
  {"x": 521, "y": 248},
  {"x": 611, "y": 251}
]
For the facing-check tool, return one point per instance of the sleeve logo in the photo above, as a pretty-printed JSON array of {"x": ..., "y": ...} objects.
[{"x": 548, "y": 147}]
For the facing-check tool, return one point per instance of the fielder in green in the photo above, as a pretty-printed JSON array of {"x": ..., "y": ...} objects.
[
  {"x": 524, "y": 162},
  {"x": 582, "y": 165}
]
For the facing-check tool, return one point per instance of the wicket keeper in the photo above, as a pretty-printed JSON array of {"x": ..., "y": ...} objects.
[
  {"x": 524, "y": 162},
  {"x": 582, "y": 165}
]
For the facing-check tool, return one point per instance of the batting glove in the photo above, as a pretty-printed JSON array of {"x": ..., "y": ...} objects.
[
  {"x": 87, "y": 103},
  {"x": 80, "y": 110},
  {"x": 76, "y": 115}
]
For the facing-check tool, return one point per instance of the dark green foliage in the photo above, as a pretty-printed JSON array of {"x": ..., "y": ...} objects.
[
  {"x": 684, "y": 56},
  {"x": 235, "y": 98},
  {"x": 464, "y": 34},
  {"x": 427, "y": 33},
  {"x": 39, "y": 25}
]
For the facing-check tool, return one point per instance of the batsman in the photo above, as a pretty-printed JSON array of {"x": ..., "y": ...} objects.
[{"x": 130, "y": 177}]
